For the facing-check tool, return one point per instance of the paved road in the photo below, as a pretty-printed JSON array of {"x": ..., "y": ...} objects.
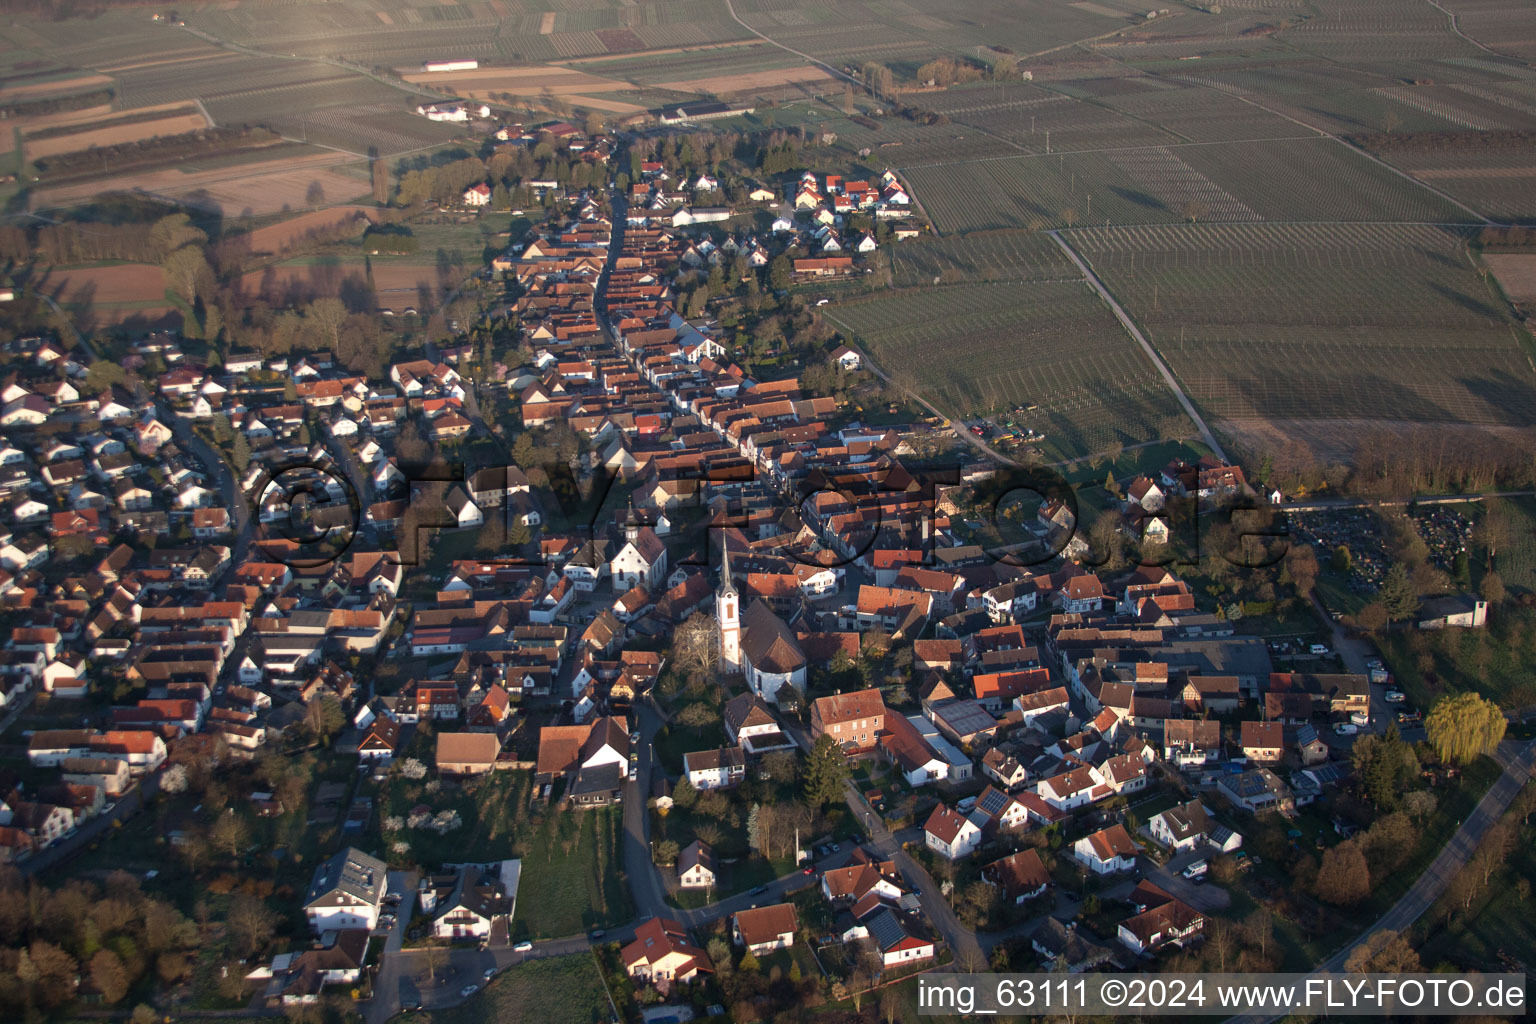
[
  {"x": 961, "y": 940},
  {"x": 1146, "y": 346},
  {"x": 645, "y": 883},
  {"x": 223, "y": 474},
  {"x": 125, "y": 806},
  {"x": 1331, "y": 504}
]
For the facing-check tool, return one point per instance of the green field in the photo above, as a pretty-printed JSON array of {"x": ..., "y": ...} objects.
[{"x": 560, "y": 990}]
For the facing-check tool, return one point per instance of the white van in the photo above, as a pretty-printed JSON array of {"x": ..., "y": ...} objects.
[{"x": 1196, "y": 869}]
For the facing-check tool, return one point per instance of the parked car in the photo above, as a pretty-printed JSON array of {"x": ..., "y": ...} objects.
[
  {"x": 1346, "y": 728},
  {"x": 523, "y": 947},
  {"x": 469, "y": 990},
  {"x": 1319, "y": 648},
  {"x": 598, "y": 933},
  {"x": 1408, "y": 717},
  {"x": 1395, "y": 697},
  {"x": 490, "y": 972}
]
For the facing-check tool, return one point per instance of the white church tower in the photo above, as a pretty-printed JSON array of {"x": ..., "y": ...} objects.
[{"x": 728, "y": 613}]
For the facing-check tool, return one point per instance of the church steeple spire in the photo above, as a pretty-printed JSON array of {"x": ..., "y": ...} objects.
[
  {"x": 728, "y": 614},
  {"x": 727, "y": 586}
]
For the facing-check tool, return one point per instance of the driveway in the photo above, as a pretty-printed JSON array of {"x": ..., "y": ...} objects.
[{"x": 1206, "y": 898}]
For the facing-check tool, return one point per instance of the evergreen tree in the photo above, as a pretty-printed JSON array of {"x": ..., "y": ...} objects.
[
  {"x": 1396, "y": 594},
  {"x": 754, "y": 832},
  {"x": 826, "y": 770}
]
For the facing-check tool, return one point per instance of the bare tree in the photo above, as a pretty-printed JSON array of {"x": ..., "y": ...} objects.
[
  {"x": 251, "y": 922},
  {"x": 696, "y": 644}
]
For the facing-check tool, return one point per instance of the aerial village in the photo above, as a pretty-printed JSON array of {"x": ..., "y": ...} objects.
[{"x": 760, "y": 567}]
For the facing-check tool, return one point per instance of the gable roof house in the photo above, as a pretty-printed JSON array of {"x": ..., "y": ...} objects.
[
  {"x": 467, "y": 753},
  {"x": 662, "y": 954},
  {"x": 715, "y": 769},
  {"x": 951, "y": 834},
  {"x": 1107, "y": 850},
  {"x": 1162, "y": 920},
  {"x": 855, "y": 720},
  {"x": 1181, "y": 828},
  {"x": 593, "y": 759},
  {"x": 1187, "y": 741},
  {"x": 347, "y": 891},
  {"x": 1022, "y": 876},
  {"x": 749, "y": 724},
  {"x": 696, "y": 866},
  {"x": 765, "y": 929}
]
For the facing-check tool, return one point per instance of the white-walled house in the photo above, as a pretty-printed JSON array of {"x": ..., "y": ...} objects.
[
  {"x": 1107, "y": 851},
  {"x": 951, "y": 834},
  {"x": 347, "y": 892}
]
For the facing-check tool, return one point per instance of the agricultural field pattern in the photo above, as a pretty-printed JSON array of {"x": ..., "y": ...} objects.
[{"x": 1284, "y": 198}]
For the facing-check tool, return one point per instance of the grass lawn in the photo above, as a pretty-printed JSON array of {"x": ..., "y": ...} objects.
[
  {"x": 1456, "y": 801},
  {"x": 572, "y": 872},
  {"x": 492, "y": 808},
  {"x": 573, "y": 875},
  {"x": 1498, "y": 922},
  {"x": 1336, "y": 595},
  {"x": 561, "y": 990},
  {"x": 1494, "y": 662},
  {"x": 676, "y": 739}
]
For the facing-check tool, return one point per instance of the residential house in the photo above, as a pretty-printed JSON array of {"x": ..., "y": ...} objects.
[
  {"x": 1161, "y": 920},
  {"x": 662, "y": 954},
  {"x": 855, "y": 720},
  {"x": 1263, "y": 742},
  {"x": 749, "y": 723},
  {"x": 696, "y": 866},
  {"x": 1021, "y": 876},
  {"x": 1257, "y": 791},
  {"x": 347, "y": 891},
  {"x": 593, "y": 759},
  {"x": 1181, "y": 828},
  {"x": 765, "y": 929},
  {"x": 715, "y": 769},
  {"x": 1107, "y": 851},
  {"x": 1188, "y": 741},
  {"x": 951, "y": 834}
]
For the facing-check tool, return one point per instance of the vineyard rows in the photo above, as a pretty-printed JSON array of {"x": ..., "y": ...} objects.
[
  {"x": 1311, "y": 321},
  {"x": 982, "y": 256},
  {"x": 984, "y": 347}
]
